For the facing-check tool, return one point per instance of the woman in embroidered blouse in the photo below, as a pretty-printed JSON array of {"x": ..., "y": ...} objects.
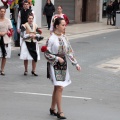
[
  {"x": 5, "y": 38},
  {"x": 58, "y": 47},
  {"x": 29, "y": 47},
  {"x": 59, "y": 14}
]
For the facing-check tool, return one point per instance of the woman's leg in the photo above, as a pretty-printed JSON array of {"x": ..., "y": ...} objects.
[
  {"x": 47, "y": 18},
  {"x": 107, "y": 21},
  {"x": 110, "y": 19},
  {"x": 34, "y": 68},
  {"x": 26, "y": 65},
  {"x": 113, "y": 19},
  {"x": 53, "y": 103},
  {"x": 49, "y": 21},
  {"x": 33, "y": 65},
  {"x": 3, "y": 64},
  {"x": 58, "y": 98}
]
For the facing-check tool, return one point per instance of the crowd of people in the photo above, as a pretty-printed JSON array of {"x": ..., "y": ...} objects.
[
  {"x": 56, "y": 51},
  {"x": 111, "y": 9}
]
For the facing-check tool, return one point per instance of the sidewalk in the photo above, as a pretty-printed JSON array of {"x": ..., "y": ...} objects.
[
  {"x": 74, "y": 31},
  {"x": 79, "y": 30}
]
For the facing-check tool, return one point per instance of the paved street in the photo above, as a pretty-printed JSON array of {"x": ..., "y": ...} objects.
[{"x": 93, "y": 95}]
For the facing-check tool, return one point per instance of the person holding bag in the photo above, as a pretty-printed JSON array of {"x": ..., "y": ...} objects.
[{"x": 56, "y": 51}]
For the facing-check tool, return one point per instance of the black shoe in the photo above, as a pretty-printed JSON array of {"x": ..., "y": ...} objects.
[
  {"x": 52, "y": 112},
  {"x": 33, "y": 73},
  {"x": 60, "y": 117},
  {"x": 18, "y": 54},
  {"x": 2, "y": 73},
  {"x": 25, "y": 73}
]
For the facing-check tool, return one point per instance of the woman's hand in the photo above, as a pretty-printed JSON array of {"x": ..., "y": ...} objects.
[
  {"x": 78, "y": 67},
  {"x": 8, "y": 32},
  {"x": 18, "y": 30},
  {"x": 60, "y": 60},
  {"x": 3, "y": 33},
  {"x": 32, "y": 36}
]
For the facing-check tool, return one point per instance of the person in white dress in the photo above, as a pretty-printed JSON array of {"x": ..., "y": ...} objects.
[
  {"x": 59, "y": 14},
  {"x": 30, "y": 34},
  {"x": 5, "y": 38},
  {"x": 58, "y": 49}
]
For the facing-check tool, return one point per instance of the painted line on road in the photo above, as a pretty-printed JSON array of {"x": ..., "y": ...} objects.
[{"x": 64, "y": 96}]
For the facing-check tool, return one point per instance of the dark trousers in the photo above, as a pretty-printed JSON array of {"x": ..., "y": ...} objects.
[
  {"x": 114, "y": 18},
  {"x": 109, "y": 16},
  {"x": 48, "y": 20},
  {"x": 17, "y": 42}
]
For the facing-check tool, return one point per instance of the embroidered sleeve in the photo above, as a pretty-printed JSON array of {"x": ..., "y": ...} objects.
[
  {"x": 70, "y": 54},
  {"x": 23, "y": 33},
  {"x": 48, "y": 54}
]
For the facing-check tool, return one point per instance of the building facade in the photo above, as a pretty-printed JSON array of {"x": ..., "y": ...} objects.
[
  {"x": 81, "y": 10},
  {"x": 78, "y": 11}
]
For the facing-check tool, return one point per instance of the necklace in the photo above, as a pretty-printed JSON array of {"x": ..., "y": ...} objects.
[{"x": 58, "y": 34}]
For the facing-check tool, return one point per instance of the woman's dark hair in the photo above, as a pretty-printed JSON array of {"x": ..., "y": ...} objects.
[
  {"x": 60, "y": 6},
  {"x": 47, "y": 2},
  {"x": 25, "y": 2},
  {"x": 31, "y": 14},
  {"x": 57, "y": 21},
  {"x": 3, "y": 7}
]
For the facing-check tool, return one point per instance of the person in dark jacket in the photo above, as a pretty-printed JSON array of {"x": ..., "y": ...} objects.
[
  {"x": 115, "y": 8},
  {"x": 49, "y": 9},
  {"x": 109, "y": 12}
]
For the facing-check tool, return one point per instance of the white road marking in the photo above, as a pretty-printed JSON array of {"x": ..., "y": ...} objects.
[{"x": 41, "y": 94}]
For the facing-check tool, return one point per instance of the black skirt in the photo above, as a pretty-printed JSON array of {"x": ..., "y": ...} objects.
[
  {"x": 2, "y": 46},
  {"x": 31, "y": 46}
]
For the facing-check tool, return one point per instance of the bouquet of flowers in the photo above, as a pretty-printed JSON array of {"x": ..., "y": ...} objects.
[
  {"x": 10, "y": 33},
  {"x": 39, "y": 31},
  {"x": 44, "y": 49}
]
